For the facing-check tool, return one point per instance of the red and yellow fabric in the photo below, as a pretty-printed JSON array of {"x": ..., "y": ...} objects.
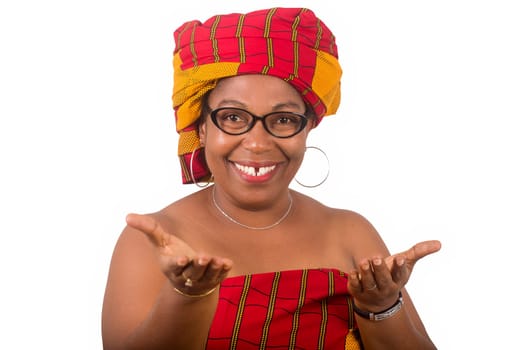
[
  {"x": 295, "y": 309},
  {"x": 289, "y": 43}
]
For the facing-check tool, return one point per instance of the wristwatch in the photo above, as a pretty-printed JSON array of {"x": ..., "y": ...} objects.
[{"x": 382, "y": 315}]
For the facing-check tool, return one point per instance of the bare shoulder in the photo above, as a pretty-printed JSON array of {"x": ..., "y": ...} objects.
[
  {"x": 133, "y": 250},
  {"x": 135, "y": 277},
  {"x": 350, "y": 230},
  {"x": 334, "y": 219}
]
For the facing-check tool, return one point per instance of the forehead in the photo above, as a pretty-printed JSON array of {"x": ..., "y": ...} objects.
[{"x": 255, "y": 91}]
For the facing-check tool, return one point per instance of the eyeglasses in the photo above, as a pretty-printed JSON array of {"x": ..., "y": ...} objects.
[{"x": 237, "y": 121}]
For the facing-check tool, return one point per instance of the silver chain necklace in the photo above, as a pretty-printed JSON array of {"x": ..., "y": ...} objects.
[{"x": 252, "y": 227}]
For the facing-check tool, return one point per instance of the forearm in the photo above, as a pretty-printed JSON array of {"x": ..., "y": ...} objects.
[{"x": 175, "y": 322}]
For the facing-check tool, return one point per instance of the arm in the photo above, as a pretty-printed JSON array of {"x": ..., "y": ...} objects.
[
  {"x": 141, "y": 308},
  {"x": 375, "y": 284}
]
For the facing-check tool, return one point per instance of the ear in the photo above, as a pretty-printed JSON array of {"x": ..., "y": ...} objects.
[
  {"x": 202, "y": 129},
  {"x": 311, "y": 124}
]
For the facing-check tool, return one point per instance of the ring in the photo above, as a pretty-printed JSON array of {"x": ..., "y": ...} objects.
[
  {"x": 373, "y": 287},
  {"x": 189, "y": 282}
]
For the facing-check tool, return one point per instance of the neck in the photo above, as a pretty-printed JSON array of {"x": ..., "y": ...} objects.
[{"x": 238, "y": 221}]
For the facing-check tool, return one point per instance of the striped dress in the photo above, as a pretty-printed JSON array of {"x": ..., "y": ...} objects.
[{"x": 295, "y": 309}]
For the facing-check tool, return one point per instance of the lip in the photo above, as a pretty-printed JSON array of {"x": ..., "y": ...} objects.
[{"x": 255, "y": 172}]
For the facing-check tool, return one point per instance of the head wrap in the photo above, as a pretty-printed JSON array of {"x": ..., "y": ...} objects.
[{"x": 288, "y": 43}]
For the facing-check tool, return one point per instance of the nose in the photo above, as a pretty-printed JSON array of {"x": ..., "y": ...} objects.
[{"x": 257, "y": 139}]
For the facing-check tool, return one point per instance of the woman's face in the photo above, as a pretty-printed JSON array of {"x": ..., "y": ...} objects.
[{"x": 256, "y": 165}]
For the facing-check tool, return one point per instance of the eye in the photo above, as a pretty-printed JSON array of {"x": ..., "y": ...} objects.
[
  {"x": 286, "y": 119},
  {"x": 232, "y": 120},
  {"x": 232, "y": 117}
]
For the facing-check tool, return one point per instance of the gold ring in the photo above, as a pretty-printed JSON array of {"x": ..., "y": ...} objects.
[
  {"x": 189, "y": 282},
  {"x": 373, "y": 287}
]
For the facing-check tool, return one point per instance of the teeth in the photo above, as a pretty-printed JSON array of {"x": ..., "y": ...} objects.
[
  {"x": 266, "y": 169},
  {"x": 252, "y": 170}
]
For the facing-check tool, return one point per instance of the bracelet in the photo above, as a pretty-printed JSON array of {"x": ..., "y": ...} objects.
[
  {"x": 381, "y": 315},
  {"x": 195, "y": 295}
]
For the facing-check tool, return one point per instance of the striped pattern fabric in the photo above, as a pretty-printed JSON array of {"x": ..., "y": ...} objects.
[
  {"x": 295, "y": 309},
  {"x": 288, "y": 43}
]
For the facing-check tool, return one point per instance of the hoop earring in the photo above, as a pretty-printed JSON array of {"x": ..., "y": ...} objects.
[
  {"x": 327, "y": 173},
  {"x": 193, "y": 175}
]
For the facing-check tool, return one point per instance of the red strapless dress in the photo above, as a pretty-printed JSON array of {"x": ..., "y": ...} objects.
[{"x": 295, "y": 309}]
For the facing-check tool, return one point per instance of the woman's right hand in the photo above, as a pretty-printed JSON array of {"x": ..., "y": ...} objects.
[{"x": 189, "y": 272}]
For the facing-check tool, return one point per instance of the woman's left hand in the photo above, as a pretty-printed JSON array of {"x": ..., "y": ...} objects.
[{"x": 376, "y": 284}]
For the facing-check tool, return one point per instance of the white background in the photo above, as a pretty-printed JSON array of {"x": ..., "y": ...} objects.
[{"x": 427, "y": 144}]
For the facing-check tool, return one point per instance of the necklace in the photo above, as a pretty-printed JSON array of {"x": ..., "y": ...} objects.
[{"x": 252, "y": 227}]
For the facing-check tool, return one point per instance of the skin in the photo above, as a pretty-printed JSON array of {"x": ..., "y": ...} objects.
[{"x": 191, "y": 238}]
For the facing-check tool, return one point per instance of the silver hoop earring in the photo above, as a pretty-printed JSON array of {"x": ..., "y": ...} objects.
[
  {"x": 325, "y": 176},
  {"x": 193, "y": 175}
]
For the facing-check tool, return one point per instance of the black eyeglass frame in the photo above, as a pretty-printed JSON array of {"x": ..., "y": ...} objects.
[{"x": 303, "y": 121}]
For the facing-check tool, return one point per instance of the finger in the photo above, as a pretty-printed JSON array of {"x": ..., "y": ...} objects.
[
  {"x": 150, "y": 227},
  {"x": 367, "y": 277},
  {"x": 422, "y": 249},
  {"x": 205, "y": 273},
  {"x": 399, "y": 271},
  {"x": 226, "y": 266},
  {"x": 354, "y": 284},
  {"x": 382, "y": 274},
  {"x": 216, "y": 270},
  {"x": 197, "y": 269},
  {"x": 174, "y": 267}
]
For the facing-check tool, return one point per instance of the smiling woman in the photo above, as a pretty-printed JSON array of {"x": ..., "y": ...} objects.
[{"x": 246, "y": 262}]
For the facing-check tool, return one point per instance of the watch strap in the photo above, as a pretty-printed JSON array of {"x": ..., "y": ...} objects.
[{"x": 381, "y": 315}]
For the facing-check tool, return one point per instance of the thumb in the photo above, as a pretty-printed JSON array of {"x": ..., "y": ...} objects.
[
  {"x": 422, "y": 249},
  {"x": 149, "y": 226}
]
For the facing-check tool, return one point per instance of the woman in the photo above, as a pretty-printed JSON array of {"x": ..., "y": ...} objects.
[{"x": 246, "y": 262}]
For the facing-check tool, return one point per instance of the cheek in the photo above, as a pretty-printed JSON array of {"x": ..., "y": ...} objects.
[
  {"x": 218, "y": 142},
  {"x": 295, "y": 150},
  {"x": 218, "y": 146},
  {"x": 210, "y": 135}
]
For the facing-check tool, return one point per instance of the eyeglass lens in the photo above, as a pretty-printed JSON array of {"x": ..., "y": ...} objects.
[{"x": 236, "y": 121}]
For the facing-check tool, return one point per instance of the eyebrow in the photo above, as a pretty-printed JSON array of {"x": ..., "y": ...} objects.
[{"x": 278, "y": 106}]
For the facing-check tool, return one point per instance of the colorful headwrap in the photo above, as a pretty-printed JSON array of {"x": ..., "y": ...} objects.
[{"x": 288, "y": 43}]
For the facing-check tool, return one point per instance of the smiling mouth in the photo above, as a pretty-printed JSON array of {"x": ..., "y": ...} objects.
[{"x": 254, "y": 171}]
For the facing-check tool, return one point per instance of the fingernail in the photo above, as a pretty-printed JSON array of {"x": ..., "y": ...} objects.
[
  {"x": 400, "y": 261},
  {"x": 377, "y": 261}
]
